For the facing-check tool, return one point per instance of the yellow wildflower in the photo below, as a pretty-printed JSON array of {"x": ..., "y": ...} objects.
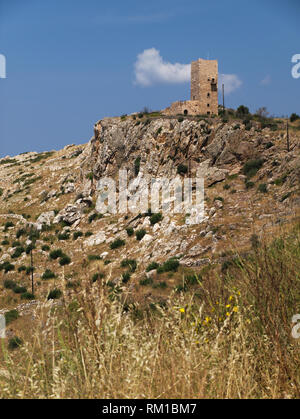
[
  {"x": 182, "y": 310},
  {"x": 235, "y": 309}
]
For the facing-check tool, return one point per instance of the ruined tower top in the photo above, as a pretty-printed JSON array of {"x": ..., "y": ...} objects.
[{"x": 204, "y": 85}]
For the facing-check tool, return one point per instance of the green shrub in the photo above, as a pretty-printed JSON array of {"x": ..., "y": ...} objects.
[
  {"x": 171, "y": 265},
  {"x": 19, "y": 290},
  {"x": 94, "y": 216},
  {"x": 48, "y": 274},
  {"x": 117, "y": 243},
  {"x": 182, "y": 169},
  {"x": 262, "y": 188},
  {"x": 6, "y": 267},
  {"x": 146, "y": 281},
  {"x": 139, "y": 234},
  {"x": 64, "y": 260},
  {"x": 54, "y": 294},
  {"x": 130, "y": 263},
  {"x": 18, "y": 252},
  {"x": 242, "y": 110},
  {"x": 77, "y": 234},
  {"x": 22, "y": 268},
  {"x": 226, "y": 186},
  {"x": 98, "y": 275},
  {"x": 9, "y": 284},
  {"x": 125, "y": 277},
  {"x": 137, "y": 164},
  {"x": 248, "y": 184},
  {"x": 5, "y": 242},
  {"x": 156, "y": 218},
  {"x": 55, "y": 254},
  {"x": 29, "y": 248},
  {"x": 29, "y": 270},
  {"x": 45, "y": 248},
  {"x": 151, "y": 266},
  {"x": 93, "y": 257},
  {"x": 251, "y": 167},
  {"x": 180, "y": 119},
  {"x": 88, "y": 234},
  {"x": 63, "y": 236},
  {"x": 27, "y": 296},
  {"x": 10, "y": 316},
  {"x": 14, "y": 343},
  {"x": 7, "y": 225},
  {"x": 129, "y": 231},
  {"x": 294, "y": 117}
]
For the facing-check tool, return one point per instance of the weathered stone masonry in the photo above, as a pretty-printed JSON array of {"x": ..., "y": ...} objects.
[{"x": 204, "y": 91}]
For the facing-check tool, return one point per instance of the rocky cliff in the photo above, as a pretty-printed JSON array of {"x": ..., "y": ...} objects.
[{"x": 48, "y": 202}]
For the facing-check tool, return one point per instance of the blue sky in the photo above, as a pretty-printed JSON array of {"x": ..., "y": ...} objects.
[{"x": 69, "y": 63}]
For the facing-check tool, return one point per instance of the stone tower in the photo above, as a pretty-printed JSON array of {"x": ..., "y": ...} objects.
[
  {"x": 204, "y": 91},
  {"x": 204, "y": 85}
]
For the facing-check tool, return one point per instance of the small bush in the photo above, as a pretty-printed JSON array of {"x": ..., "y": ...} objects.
[
  {"x": 94, "y": 216},
  {"x": 156, "y": 218},
  {"x": 93, "y": 257},
  {"x": 55, "y": 254},
  {"x": 294, "y": 117},
  {"x": 63, "y": 236},
  {"x": 249, "y": 184},
  {"x": 251, "y": 167},
  {"x": 77, "y": 234},
  {"x": 125, "y": 277},
  {"x": 6, "y": 267},
  {"x": 14, "y": 343},
  {"x": 146, "y": 281},
  {"x": 171, "y": 265},
  {"x": 182, "y": 169},
  {"x": 18, "y": 252},
  {"x": 139, "y": 234},
  {"x": 151, "y": 266},
  {"x": 130, "y": 263},
  {"x": 10, "y": 316},
  {"x": 262, "y": 188},
  {"x": 54, "y": 294},
  {"x": 9, "y": 284},
  {"x": 19, "y": 290},
  {"x": 27, "y": 296},
  {"x": 137, "y": 164},
  {"x": 45, "y": 248},
  {"x": 64, "y": 260},
  {"x": 48, "y": 274},
  {"x": 129, "y": 231},
  {"x": 98, "y": 275},
  {"x": 117, "y": 243}
]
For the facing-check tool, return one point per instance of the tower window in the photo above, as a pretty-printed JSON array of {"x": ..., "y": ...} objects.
[
  {"x": 208, "y": 94},
  {"x": 208, "y": 105}
]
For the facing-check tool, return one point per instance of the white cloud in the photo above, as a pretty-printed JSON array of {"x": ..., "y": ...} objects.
[
  {"x": 150, "y": 68},
  {"x": 231, "y": 82},
  {"x": 266, "y": 81}
]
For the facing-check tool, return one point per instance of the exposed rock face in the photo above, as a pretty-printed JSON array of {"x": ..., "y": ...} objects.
[{"x": 156, "y": 148}]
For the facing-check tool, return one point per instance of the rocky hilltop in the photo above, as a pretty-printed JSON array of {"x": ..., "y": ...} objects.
[{"x": 48, "y": 205}]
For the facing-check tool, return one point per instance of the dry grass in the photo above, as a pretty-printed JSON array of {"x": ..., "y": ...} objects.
[{"x": 230, "y": 338}]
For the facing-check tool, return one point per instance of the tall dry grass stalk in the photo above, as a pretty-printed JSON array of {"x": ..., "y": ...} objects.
[{"x": 229, "y": 338}]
